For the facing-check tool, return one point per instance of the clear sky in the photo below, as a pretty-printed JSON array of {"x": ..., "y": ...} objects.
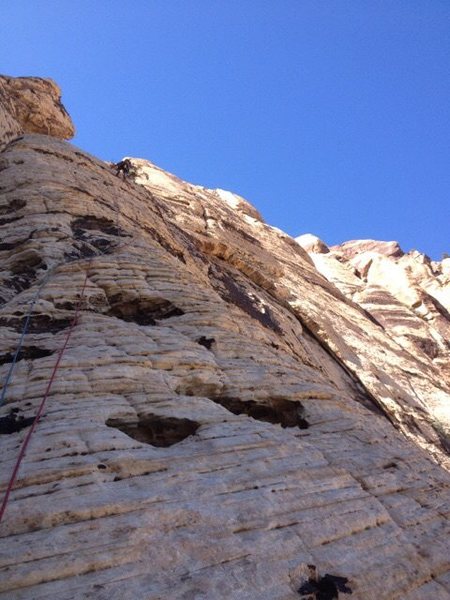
[{"x": 330, "y": 116}]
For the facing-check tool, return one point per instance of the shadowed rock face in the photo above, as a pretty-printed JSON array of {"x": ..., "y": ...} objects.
[{"x": 223, "y": 415}]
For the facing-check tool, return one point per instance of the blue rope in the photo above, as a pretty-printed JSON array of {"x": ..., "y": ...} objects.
[
  {"x": 22, "y": 337},
  {"x": 27, "y": 320}
]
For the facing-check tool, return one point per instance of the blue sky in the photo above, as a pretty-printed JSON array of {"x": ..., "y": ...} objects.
[{"x": 330, "y": 116}]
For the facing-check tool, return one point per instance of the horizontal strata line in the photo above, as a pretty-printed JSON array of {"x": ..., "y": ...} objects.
[
  {"x": 146, "y": 505},
  {"x": 91, "y": 549},
  {"x": 124, "y": 555}
]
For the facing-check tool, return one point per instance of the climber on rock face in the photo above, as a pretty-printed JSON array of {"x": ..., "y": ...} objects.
[{"x": 125, "y": 167}]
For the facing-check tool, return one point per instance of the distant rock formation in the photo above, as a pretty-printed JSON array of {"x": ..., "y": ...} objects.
[
  {"x": 232, "y": 417},
  {"x": 407, "y": 294}
]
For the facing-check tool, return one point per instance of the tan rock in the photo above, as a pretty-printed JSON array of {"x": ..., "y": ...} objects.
[
  {"x": 356, "y": 247},
  {"x": 311, "y": 243},
  {"x": 32, "y": 105},
  {"x": 223, "y": 416}
]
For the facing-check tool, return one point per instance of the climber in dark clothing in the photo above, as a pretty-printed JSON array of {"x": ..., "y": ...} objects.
[{"x": 125, "y": 167}]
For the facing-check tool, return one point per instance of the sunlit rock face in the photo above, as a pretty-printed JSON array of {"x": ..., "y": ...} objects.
[
  {"x": 223, "y": 417},
  {"x": 407, "y": 294},
  {"x": 32, "y": 105},
  {"x": 311, "y": 243}
]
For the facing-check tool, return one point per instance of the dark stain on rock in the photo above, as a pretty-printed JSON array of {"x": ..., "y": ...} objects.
[
  {"x": 30, "y": 353},
  {"x": 23, "y": 280},
  {"x": 38, "y": 324},
  {"x": 13, "y": 206},
  {"x": 427, "y": 345},
  {"x": 80, "y": 250},
  {"x": 235, "y": 294},
  {"x": 143, "y": 312},
  {"x": 100, "y": 224},
  {"x": 24, "y": 270},
  {"x": 156, "y": 430},
  {"x": 286, "y": 413},
  {"x": 94, "y": 235},
  {"x": 91, "y": 247},
  {"x": 31, "y": 260},
  {"x": 178, "y": 254},
  {"x": 105, "y": 246}
]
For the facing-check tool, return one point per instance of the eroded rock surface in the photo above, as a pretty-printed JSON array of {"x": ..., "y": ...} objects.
[
  {"x": 32, "y": 105},
  {"x": 223, "y": 415}
]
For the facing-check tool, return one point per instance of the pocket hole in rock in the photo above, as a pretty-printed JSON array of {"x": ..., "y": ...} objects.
[
  {"x": 286, "y": 413},
  {"x": 156, "y": 430},
  {"x": 144, "y": 312},
  {"x": 13, "y": 423}
]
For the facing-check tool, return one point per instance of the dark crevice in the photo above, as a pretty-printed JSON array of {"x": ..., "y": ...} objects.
[
  {"x": 90, "y": 223},
  {"x": 390, "y": 465},
  {"x": 7, "y": 220},
  {"x": 444, "y": 437},
  {"x": 363, "y": 396},
  {"x": 38, "y": 324},
  {"x": 30, "y": 353},
  {"x": 206, "y": 342},
  {"x": 92, "y": 235},
  {"x": 8, "y": 245},
  {"x": 427, "y": 345},
  {"x": 35, "y": 259},
  {"x": 54, "y": 154},
  {"x": 241, "y": 233},
  {"x": 156, "y": 430},
  {"x": 143, "y": 312},
  {"x": 286, "y": 413}
]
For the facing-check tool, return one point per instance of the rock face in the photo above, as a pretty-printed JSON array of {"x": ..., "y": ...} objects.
[
  {"x": 223, "y": 415},
  {"x": 32, "y": 105},
  {"x": 407, "y": 294}
]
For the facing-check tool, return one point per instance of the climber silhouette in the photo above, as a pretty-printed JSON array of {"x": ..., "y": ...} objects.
[{"x": 124, "y": 167}]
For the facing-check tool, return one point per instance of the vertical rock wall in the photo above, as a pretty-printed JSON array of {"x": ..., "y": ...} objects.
[{"x": 222, "y": 416}]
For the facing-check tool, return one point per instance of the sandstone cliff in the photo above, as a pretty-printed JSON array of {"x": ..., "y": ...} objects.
[{"x": 223, "y": 415}]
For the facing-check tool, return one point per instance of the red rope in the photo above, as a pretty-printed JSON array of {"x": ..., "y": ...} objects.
[{"x": 27, "y": 438}]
